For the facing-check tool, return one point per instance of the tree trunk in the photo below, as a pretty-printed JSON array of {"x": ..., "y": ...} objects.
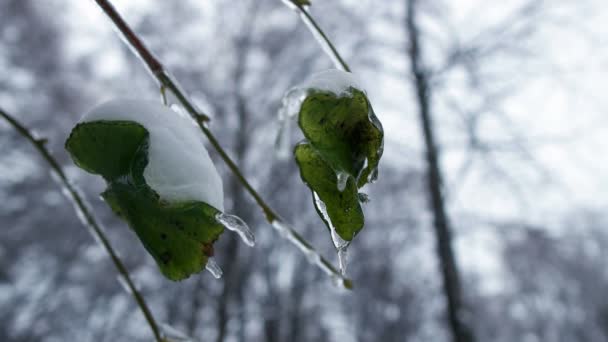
[{"x": 461, "y": 332}]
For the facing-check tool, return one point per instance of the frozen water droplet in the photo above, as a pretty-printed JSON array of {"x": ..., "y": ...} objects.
[
  {"x": 169, "y": 333},
  {"x": 236, "y": 224},
  {"x": 290, "y": 108},
  {"x": 163, "y": 95},
  {"x": 214, "y": 268},
  {"x": 291, "y": 103},
  {"x": 337, "y": 240},
  {"x": 342, "y": 180},
  {"x": 322, "y": 208},
  {"x": 343, "y": 259},
  {"x": 363, "y": 197},
  {"x": 373, "y": 176},
  {"x": 283, "y": 139},
  {"x": 340, "y": 244}
]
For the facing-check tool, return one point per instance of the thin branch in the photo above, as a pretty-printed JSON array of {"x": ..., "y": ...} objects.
[
  {"x": 165, "y": 80},
  {"x": 320, "y": 36},
  {"x": 87, "y": 218}
]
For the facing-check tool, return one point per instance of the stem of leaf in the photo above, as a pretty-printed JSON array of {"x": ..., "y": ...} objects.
[
  {"x": 321, "y": 37},
  {"x": 166, "y": 81},
  {"x": 87, "y": 216}
]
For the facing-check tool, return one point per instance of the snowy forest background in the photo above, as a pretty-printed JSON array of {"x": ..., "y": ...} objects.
[{"x": 519, "y": 108}]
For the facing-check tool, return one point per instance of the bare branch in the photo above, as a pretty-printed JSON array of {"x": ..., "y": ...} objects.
[
  {"x": 83, "y": 212},
  {"x": 301, "y": 8}
]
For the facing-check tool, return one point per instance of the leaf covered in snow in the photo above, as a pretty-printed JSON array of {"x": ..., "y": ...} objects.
[{"x": 179, "y": 235}]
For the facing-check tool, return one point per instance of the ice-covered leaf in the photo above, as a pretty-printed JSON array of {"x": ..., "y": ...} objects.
[
  {"x": 344, "y": 131},
  {"x": 342, "y": 149},
  {"x": 340, "y": 210},
  {"x": 178, "y": 234}
]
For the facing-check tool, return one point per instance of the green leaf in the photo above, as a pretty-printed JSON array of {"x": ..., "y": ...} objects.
[
  {"x": 105, "y": 148},
  {"x": 179, "y": 236},
  {"x": 344, "y": 131},
  {"x": 342, "y": 208}
]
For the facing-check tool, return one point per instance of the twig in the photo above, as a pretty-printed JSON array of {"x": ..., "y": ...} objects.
[
  {"x": 86, "y": 217},
  {"x": 318, "y": 33},
  {"x": 164, "y": 79}
]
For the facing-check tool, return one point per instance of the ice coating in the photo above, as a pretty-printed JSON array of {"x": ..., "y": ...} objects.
[
  {"x": 333, "y": 80},
  {"x": 340, "y": 244},
  {"x": 237, "y": 225},
  {"x": 179, "y": 167}
]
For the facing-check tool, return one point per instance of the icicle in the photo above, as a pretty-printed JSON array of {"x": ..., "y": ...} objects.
[
  {"x": 283, "y": 139},
  {"x": 171, "y": 334},
  {"x": 340, "y": 244},
  {"x": 342, "y": 248},
  {"x": 343, "y": 259},
  {"x": 311, "y": 255},
  {"x": 342, "y": 180},
  {"x": 213, "y": 268},
  {"x": 171, "y": 100},
  {"x": 236, "y": 224},
  {"x": 373, "y": 176},
  {"x": 163, "y": 95},
  {"x": 290, "y": 108}
]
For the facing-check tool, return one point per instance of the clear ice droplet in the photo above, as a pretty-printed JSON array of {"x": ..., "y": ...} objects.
[
  {"x": 290, "y": 108},
  {"x": 343, "y": 259},
  {"x": 373, "y": 176},
  {"x": 214, "y": 268},
  {"x": 340, "y": 244},
  {"x": 342, "y": 249},
  {"x": 283, "y": 139},
  {"x": 342, "y": 180},
  {"x": 236, "y": 224}
]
